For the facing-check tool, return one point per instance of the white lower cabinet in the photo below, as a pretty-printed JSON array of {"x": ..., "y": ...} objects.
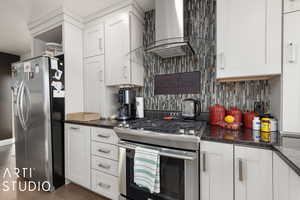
[
  {"x": 231, "y": 172},
  {"x": 216, "y": 171},
  {"x": 286, "y": 181},
  {"x": 77, "y": 154},
  {"x": 105, "y": 185},
  {"x": 253, "y": 174},
  {"x": 91, "y": 159}
]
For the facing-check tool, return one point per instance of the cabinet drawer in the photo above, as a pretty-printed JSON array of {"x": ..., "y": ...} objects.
[
  {"x": 105, "y": 185},
  {"x": 104, "y": 135},
  {"x": 105, "y": 150},
  {"x": 291, "y": 5},
  {"x": 105, "y": 165}
]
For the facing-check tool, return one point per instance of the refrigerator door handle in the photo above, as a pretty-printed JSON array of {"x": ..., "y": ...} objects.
[
  {"x": 22, "y": 106},
  {"x": 26, "y": 94},
  {"x": 19, "y": 105}
]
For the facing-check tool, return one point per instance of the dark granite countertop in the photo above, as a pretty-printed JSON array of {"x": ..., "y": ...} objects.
[
  {"x": 287, "y": 146},
  {"x": 96, "y": 123},
  {"x": 242, "y": 136}
]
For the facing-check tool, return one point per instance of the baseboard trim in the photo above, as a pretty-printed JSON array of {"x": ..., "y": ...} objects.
[{"x": 7, "y": 142}]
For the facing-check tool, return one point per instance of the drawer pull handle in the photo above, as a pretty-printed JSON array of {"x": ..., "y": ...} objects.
[
  {"x": 204, "y": 162},
  {"x": 105, "y": 186},
  {"x": 241, "y": 178},
  {"x": 104, "y": 151},
  {"x": 74, "y": 128},
  {"x": 104, "y": 166},
  {"x": 103, "y": 136}
]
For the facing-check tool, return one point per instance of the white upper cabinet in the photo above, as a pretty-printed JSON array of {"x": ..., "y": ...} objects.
[
  {"x": 94, "y": 40},
  {"x": 248, "y": 38},
  {"x": 253, "y": 174},
  {"x": 123, "y": 31},
  {"x": 98, "y": 97},
  {"x": 286, "y": 181},
  {"x": 216, "y": 171},
  {"x": 94, "y": 84},
  {"x": 118, "y": 48},
  {"x": 291, "y": 5},
  {"x": 291, "y": 74}
]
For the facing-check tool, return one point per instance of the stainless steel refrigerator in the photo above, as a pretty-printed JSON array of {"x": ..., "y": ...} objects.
[{"x": 38, "y": 118}]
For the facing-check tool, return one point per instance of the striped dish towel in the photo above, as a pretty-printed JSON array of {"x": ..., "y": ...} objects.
[{"x": 147, "y": 169}]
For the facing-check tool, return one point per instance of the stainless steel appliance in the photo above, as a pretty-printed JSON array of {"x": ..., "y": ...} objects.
[
  {"x": 178, "y": 144},
  {"x": 127, "y": 103},
  {"x": 190, "y": 108},
  {"x": 170, "y": 36},
  {"x": 38, "y": 104}
]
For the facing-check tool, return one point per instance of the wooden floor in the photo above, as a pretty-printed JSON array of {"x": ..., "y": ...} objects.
[{"x": 67, "y": 192}]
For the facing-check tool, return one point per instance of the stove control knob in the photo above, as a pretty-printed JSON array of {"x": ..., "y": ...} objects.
[
  {"x": 126, "y": 125},
  {"x": 181, "y": 131},
  {"x": 121, "y": 125}
]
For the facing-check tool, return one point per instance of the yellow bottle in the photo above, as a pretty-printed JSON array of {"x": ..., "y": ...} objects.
[{"x": 265, "y": 128}]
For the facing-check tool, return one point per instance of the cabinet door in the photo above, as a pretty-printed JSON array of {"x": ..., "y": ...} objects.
[
  {"x": 94, "y": 41},
  {"x": 291, "y": 73},
  {"x": 248, "y": 38},
  {"x": 253, "y": 174},
  {"x": 294, "y": 183},
  {"x": 286, "y": 181},
  {"x": 117, "y": 55},
  {"x": 281, "y": 179},
  {"x": 291, "y": 5},
  {"x": 216, "y": 171},
  {"x": 94, "y": 84},
  {"x": 136, "y": 56},
  {"x": 78, "y": 154}
]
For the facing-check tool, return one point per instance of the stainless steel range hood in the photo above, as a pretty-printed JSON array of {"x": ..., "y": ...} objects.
[{"x": 170, "y": 40}]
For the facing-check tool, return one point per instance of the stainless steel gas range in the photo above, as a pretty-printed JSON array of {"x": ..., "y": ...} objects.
[{"x": 177, "y": 142}]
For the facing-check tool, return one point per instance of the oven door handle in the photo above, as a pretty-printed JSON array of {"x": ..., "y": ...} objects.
[{"x": 179, "y": 154}]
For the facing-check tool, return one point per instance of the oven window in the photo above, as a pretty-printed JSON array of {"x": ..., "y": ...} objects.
[{"x": 171, "y": 180}]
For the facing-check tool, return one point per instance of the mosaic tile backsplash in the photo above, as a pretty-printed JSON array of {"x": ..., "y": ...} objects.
[{"x": 200, "y": 22}]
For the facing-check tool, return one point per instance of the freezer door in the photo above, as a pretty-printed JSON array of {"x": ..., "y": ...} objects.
[
  {"x": 19, "y": 132},
  {"x": 32, "y": 122}
]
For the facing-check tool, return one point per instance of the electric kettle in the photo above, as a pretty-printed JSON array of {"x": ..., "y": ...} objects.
[{"x": 190, "y": 108}]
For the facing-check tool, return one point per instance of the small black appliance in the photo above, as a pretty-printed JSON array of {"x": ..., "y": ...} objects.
[{"x": 127, "y": 103}]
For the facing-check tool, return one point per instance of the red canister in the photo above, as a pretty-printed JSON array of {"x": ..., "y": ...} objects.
[
  {"x": 236, "y": 113},
  {"x": 216, "y": 114},
  {"x": 248, "y": 119}
]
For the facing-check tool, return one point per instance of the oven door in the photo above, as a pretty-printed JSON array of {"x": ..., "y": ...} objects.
[{"x": 179, "y": 176}]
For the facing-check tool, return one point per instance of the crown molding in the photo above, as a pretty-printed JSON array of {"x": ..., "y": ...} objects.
[
  {"x": 53, "y": 19},
  {"x": 115, "y": 7}
]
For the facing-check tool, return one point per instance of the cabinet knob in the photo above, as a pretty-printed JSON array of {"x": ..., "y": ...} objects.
[
  {"x": 105, "y": 186},
  {"x": 291, "y": 52},
  {"x": 241, "y": 177},
  {"x": 204, "y": 161},
  {"x": 100, "y": 44},
  {"x": 74, "y": 128},
  {"x": 221, "y": 61},
  {"x": 104, "y": 151},
  {"x": 100, "y": 75},
  {"x": 103, "y": 136},
  {"x": 125, "y": 72},
  {"x": 104, "y": 166}
]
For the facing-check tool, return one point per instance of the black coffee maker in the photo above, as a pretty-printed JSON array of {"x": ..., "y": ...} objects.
[{"x": 127, "y": 108}]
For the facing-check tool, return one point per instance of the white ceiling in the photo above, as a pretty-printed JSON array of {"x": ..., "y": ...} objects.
[{"x": 15, "y": 14}]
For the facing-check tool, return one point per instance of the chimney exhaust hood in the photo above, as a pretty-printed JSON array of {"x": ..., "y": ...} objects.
[{"x": 170, "y": 40}]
